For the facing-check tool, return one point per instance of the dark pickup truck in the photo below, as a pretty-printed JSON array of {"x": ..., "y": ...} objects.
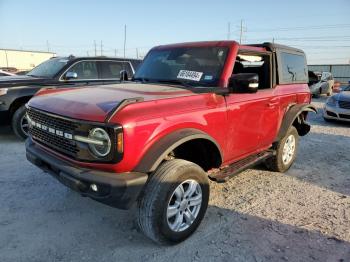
[{"x": 71, "y": 71}]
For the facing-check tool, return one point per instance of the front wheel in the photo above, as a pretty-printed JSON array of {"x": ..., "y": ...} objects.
[
  {"x": 19, "y": 123},
  {"x": 286, "y": 151},
  {"x": 174, "y": 202}
]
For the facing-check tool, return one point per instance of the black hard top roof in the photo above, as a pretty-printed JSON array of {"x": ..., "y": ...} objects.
[{"x": 273, "y": 47}]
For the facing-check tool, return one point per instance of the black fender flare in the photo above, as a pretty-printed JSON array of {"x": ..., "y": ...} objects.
[
  {"x": 291, "y": 115},
  {"x": 160, "y": 149}
]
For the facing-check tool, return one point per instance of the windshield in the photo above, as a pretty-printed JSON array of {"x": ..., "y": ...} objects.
[
  {"x": 194, "y": 66},
  {"x": 48, "y": 68}
]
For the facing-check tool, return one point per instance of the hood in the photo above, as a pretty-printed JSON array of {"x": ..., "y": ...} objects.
[
  {"x": 95, "y": 102},
  {"x": 19, "y": 80},
  {"x": 343, "y": 96}
]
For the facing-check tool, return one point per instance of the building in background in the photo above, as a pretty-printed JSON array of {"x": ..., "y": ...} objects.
[
  {"x": 22, "y": 60},
  {"x": 341, "y": 73}
]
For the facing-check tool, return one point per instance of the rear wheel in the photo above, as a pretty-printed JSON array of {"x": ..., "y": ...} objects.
[
  {"x": 19, "y": 122},
  {"x": 286, "y": 150},
  {"x": 174, "y": 202}
]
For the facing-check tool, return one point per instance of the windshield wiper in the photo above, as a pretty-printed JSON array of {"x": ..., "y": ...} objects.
[{"x": 142, "y": 79}]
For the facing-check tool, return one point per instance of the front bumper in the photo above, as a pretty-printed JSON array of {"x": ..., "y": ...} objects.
[
  {"x": 336, "y": 113},
  {"x": 117, "y": 190}
]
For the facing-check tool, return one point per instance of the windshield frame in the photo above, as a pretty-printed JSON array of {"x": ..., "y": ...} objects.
[{"x": 182, "y": 81}]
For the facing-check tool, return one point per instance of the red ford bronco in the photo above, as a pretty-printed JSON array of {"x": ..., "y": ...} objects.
[{"x": 192, "y": 111}]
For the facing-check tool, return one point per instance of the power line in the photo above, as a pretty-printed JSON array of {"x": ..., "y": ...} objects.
[{"x": 301, "y": 28}]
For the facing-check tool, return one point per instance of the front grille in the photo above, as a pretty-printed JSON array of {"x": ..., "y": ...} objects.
[
  {"x": 53, "y": 141},
  {"x": 344, "y": 116},
  {"x": 344, "y": 104}
]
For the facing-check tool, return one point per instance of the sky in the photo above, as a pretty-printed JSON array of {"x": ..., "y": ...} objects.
[{"x": 321, "y": 28}]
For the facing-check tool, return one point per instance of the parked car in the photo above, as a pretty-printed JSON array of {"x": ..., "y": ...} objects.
[
  {"x": 323, "y": 86},
  {"x": 12, "y": 70},
  {"x": 327, "y": 77},
  {"x": 15, "y": 91},
  {"x": 337, "y": 87},
  {"x": 337, "y": 107},
  {"x": 344, "y": 87},
  {"x": 5, "y": 73},
  {"x": 194, "y": 110},
  {"x": 20, "y": 73}
]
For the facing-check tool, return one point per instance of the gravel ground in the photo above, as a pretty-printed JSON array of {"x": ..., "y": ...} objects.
[{"x": 303, "y": 215}]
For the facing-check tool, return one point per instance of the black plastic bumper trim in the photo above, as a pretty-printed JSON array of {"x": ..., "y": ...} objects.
[{"x": 118, "y": 190}]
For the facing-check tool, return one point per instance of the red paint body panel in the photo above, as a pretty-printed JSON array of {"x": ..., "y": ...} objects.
[
  {"x": 94, "y": 103},
  {"x": 241, "y": 124}
]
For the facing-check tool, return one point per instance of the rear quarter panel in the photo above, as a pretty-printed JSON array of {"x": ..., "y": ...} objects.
[{"x": 290, "y": 95}]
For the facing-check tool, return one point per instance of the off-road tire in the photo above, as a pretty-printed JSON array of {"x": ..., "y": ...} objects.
[
  {"x": 275, "y": 163},
  {"x": 152, "y": 205},
  {"x": 16, "y": 122}
]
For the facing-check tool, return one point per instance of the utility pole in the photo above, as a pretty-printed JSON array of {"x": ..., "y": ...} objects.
[
  {"x": 228, "y": 31},
  {"x": 87, "y": 53},
  {"x": 273, "y": 40},
  {"x": 101, "y": 48},
  {"x": 241, "y": 32},
  {"x": 48, "y": 45},
  {"x": 137, "y": 53},
  {"x": 115, "y": 52},
  {"x": 124, "y": 39},
  {"x": 7, "y": 60},
  {"x": 95, "y": 47}
]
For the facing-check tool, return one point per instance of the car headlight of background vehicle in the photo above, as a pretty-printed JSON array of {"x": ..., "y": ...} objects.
[
  {"x": 100, "y": 143},
  {"x": 3, "y": 91},
  {"x": 331, "y": 101}
]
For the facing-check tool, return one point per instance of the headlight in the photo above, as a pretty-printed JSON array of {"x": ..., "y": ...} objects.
[
  {"x": 3, "y": 91},
  {"x": 331, "y": 101},
  {"x": 102, "y": 145}
]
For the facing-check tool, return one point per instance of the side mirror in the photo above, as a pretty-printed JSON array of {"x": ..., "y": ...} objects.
[
  {"x": 244, "y": 83},
  {"x": 123, "y": 76},
  {"x": 70, "y": 75}
]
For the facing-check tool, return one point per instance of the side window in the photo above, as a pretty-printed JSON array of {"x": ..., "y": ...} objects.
[
  {"x": 85, "y": 70},
  {"x": 259, "y": 64},
  {"x": 293, "y": 68},
  {"x": 111, "y": 69}
]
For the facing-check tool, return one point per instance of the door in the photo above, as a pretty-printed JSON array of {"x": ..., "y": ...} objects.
[
  {"x": 111, "y": 70},
  {"x": 253, "y": 118},
  {"x": 86, "y": 73}
]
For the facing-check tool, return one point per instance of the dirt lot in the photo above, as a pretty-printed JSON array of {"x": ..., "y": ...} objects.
[{"x": 303, "y": 215}]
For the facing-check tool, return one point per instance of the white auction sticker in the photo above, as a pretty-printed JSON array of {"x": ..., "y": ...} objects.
[{"x": 190, "y": 75}]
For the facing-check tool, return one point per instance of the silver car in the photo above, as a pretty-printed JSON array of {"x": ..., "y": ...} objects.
[
  {"x": 324, "y": 85},
  {"x": 337, "y": 107}
]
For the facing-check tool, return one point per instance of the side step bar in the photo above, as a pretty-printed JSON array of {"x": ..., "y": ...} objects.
[{"x": 223, "y": 174}]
